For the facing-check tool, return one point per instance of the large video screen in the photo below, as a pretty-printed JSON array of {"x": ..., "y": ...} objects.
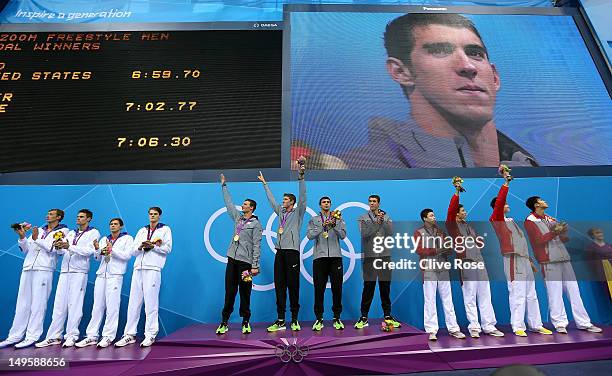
[
  {"x": 439, "y": 90},
  {"x": 140, "y": 100}
]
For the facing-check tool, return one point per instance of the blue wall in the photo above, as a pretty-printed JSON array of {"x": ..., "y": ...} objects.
[{"x": 193, "y": 279}]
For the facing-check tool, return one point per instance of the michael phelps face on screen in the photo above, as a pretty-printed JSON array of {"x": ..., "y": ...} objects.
[{"x": 449, "y": 73}]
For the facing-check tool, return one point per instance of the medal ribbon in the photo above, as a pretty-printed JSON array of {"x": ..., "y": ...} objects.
[
  {"x": 150, "y": 233},
  {"x": 284, "y": 218},
  {"x": 243, "y": 222},
  {"x": 323, "y": 219},
  {"x": 78, "y": 235}
]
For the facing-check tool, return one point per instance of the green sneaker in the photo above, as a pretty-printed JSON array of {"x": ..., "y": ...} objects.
[
  {"x": 392, "y": 320},
  {"x": 246, "y": 327},
  {"x": 318, "y": 325},
  {"x": 222, "y": 329},
  {"x": 338, "y": 324},
  {"x": 295, "y": 326},
  {"x": 362, "y": 323},
  {"x": 278, "y": 325}
]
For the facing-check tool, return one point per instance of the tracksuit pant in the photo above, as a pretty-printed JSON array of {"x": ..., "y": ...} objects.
[
  {"x": 522, "y": 294},
  {"x": 287, "y": 277},
  {"x": 34, "y": 290},
  {"x": 145, "y": 286},
  {"x": 234, "y": 284},
  {"x": 477, "y": 297},
  {"x": 440, "y": 282},
  {"x": 559, "y": 277},
  {"x": 370, "y": 275},
  {"x": 68, "y": 306},
  {"x": 325, "y": 268},
  {"x": 107, "y": 299}
]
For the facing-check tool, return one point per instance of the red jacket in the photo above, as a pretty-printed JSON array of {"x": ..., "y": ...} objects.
[
  {"x": 547, "y": 245},
  {"x": 461, "y": 229},
  {"x": 422, "y": 234},
  {"x": 511, "y": 238}
]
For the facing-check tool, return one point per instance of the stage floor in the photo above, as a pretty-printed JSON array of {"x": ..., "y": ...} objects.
[{"x": 196, "y": 350}]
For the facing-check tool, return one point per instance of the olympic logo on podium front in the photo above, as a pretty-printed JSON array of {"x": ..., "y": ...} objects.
[{"x": 348, "y": 249}]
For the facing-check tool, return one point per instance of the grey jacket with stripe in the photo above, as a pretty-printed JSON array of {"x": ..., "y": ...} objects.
[
  {"x": 290, "y": 238},
  {"x": 248, "y": 246},
  {"x": 330, "y": 246}
]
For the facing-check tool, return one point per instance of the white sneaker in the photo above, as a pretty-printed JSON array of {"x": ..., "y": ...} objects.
[
  {"x": 594, "y": 329},
  {"x": 495, "y": 333},
  {"x": 148, "y": 341},
  {"x": 69, "y": 342},
  {"x": 433, "y": 337},
  {"x": 25, "y": 343},
  {"x": 89, "y": 341},
  {"x": 561, "y": 330},
  {"x": 49, "y": 342},
  {"x": 474, "y": 334},
  {"x": 125, "y": 340},
  {"x": 8, "y": 342},
  {"x": 105, "y": 342},
  {"x": 457, "y": 334}
]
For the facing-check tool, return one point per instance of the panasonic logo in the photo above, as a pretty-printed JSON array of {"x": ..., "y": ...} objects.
[{"x": 427, "y": 8}]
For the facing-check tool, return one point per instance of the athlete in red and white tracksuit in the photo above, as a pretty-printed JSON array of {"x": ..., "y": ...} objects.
[
  {"x": 475, "y": 282},
  {"x": 557, "y": 270},
  {"x": 517, "y": 266},
  {"x": 435, "y": 277}
]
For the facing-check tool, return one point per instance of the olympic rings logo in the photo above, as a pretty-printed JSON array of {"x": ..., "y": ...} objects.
[
  {"x": 291, "y": 352},
  {"x": 270, "y": 235}
]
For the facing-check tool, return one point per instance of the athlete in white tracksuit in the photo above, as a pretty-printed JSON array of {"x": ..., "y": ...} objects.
[
  {"x": 36, "y": 281},
  {"x": 151, "y": 246},
  {"x": 114, "y": 252},
  {"x": 77, "y": 249}
]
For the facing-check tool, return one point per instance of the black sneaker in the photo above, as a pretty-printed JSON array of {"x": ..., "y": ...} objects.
[
  {"x": 362, "y": 323},
  {"x": 222, "y": 329},
  {"x": 392, "y": 320},
  {"x": 246, "y": 327},
  {"x": 278, "y": 325}
]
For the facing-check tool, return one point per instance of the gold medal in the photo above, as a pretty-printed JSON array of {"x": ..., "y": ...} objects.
[
  {"x": 280, "y": 230},
  {"x": 325, "y": 234},
  {"x": 236, "y": 237}
]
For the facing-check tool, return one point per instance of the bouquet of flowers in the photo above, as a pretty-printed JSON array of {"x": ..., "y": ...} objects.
[
  {"x": 386, "y": 326},
  {"x": 336, "y": 214},
  {"x": 57, "y": 237},
  {"x": 247, "y": 276},
  {"x": 106, "y": 251},
  {"x": 25, "y": 226},
  {"x": 301, "y": 163},
  {"x": 503, "y": 170},
  {"x": 457, "y": 182}
]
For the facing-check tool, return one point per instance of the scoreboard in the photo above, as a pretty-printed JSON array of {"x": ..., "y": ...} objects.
[{"x": 140, "y": 100}]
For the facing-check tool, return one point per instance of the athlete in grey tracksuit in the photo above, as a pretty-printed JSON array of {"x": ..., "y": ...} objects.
[
  {"x": 287, "y": 259},
  {"x": 327, "y": 231},
  {"x": 242, "y": 255}
]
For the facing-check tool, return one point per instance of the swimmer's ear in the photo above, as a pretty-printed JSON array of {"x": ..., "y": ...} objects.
[{"x": 400, "y": 73}]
